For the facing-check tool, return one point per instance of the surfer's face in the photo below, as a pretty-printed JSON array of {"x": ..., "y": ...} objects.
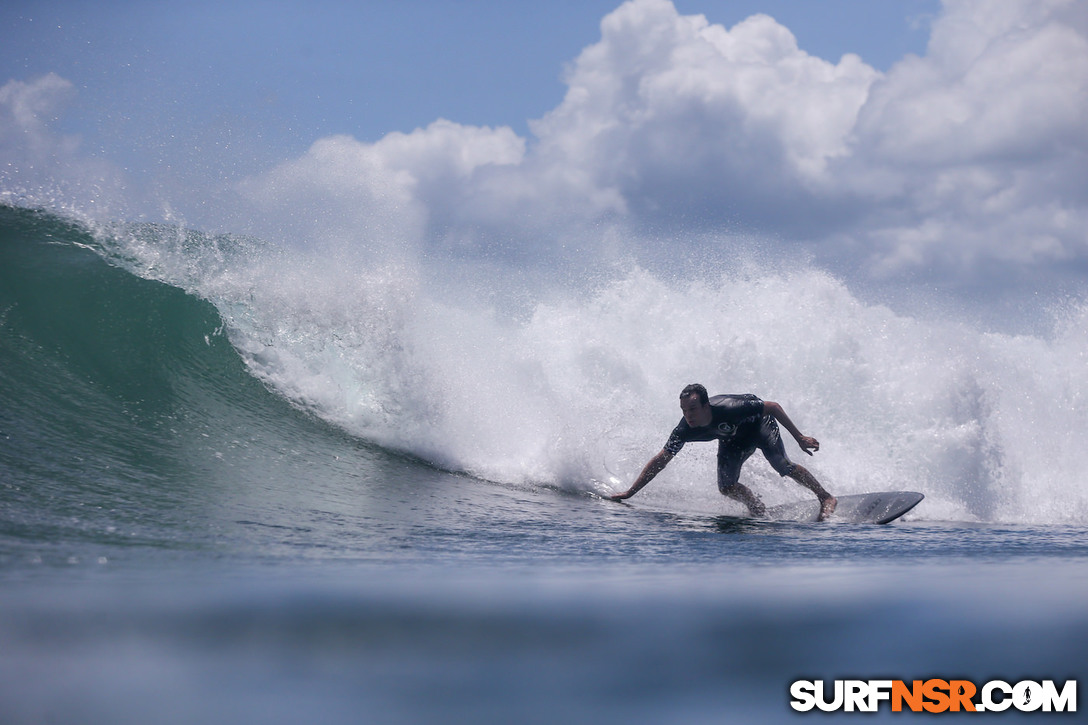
[{"x": 696, "y": 413}]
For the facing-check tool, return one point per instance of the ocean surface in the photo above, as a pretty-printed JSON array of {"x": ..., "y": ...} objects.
[{"x": 241, "y": 482}]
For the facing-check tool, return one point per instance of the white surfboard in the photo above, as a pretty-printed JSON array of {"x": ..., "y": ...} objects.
[{"x": 863, "y": 508}]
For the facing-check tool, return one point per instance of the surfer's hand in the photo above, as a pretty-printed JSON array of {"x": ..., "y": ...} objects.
[
  {"x": 619, "y": 496},
  {"x": 808, "y": 444}
]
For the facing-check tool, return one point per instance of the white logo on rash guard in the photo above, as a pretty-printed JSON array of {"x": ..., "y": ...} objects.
[{"x": 726, "y": 429}]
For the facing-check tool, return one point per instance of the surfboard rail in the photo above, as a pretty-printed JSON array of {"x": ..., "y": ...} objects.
[{"x": 863, "y": 508}]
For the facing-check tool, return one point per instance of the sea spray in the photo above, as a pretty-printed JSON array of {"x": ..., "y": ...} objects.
[{"x": 580, "y": 390}]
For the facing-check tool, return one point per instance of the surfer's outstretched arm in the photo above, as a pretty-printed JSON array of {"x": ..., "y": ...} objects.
[{"x": 655, "y": 466}]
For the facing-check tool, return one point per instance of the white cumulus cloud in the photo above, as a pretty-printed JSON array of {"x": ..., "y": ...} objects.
[
  {"x": 978, "y": 152},
  {"x": 385, "y": 193},
  {"x": 681, "y": 116},
  {"x": 968, "y": 160},
  {"x": 38, "y": 165}
]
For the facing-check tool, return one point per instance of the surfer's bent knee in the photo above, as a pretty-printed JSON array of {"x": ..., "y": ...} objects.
[{"x": 728, "y": 488}]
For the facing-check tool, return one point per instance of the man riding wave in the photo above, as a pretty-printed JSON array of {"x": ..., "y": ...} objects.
[{"x": 740, "y": 424}]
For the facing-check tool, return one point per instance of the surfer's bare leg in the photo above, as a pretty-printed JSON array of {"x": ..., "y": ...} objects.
[
  {"x": 806, "y": 479},
  {"x": 740, "y": 492}
]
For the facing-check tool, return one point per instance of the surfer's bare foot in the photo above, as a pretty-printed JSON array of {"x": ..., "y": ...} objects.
[
  {"x": 827, "y": 507},
  {"x": 740, "y": 492}
]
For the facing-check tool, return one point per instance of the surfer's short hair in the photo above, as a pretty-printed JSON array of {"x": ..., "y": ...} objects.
[{"x": 695, "y": 389}]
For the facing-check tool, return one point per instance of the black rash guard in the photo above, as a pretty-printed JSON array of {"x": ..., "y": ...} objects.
[
  {"x": 739, "y": 425},
  {"x": 730, "y": 415}
]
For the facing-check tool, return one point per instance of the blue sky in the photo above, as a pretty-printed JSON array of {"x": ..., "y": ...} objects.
[
  {"x": 950, "y": 152},
  {"x": 295, "y": 71}
]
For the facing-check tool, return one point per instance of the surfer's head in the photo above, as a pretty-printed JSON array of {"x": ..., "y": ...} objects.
[
  {"x": 697, "y": 390},
  {"x": 696, "y": 405}
]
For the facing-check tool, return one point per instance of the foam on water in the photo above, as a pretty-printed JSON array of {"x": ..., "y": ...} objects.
[{"x": 580, "y": 389}]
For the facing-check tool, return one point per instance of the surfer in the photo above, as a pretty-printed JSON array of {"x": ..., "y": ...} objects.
[{"x": 740, "y": 424}]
